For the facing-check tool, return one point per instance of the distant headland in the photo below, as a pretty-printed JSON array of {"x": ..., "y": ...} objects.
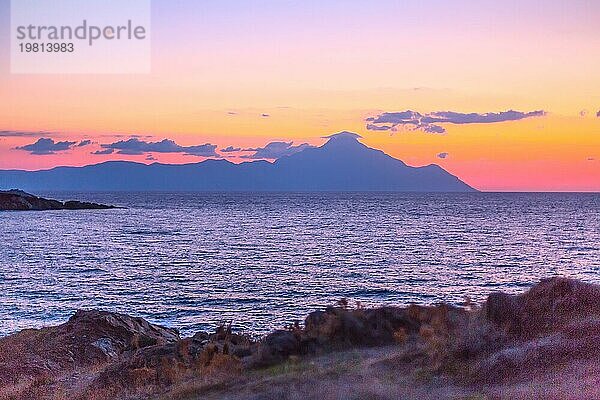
[{"x": 18, "y": 200}]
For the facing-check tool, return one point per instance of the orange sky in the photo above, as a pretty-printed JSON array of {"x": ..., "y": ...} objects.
[{"x": 319, "y": 68}]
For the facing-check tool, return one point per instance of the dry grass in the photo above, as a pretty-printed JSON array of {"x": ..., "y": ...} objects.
[
  {"x": 383, "y": 374},
  {"x": 356, "y": 374}
]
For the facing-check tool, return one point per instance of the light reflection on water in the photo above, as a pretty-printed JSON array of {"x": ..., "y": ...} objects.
[{"x": 262, "y": 260}]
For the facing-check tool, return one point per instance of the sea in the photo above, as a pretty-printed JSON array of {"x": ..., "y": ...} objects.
[{"x": 193, "y": 261}]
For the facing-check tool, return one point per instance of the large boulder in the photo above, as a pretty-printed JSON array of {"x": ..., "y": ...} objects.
[
  {"x": 87, "y": 338},
  {"x": 277, "y": 347},
  {"x": 162, "y": 365},
  {"x": 547, "y": 307},
  {"x": 555, "y": 323}
]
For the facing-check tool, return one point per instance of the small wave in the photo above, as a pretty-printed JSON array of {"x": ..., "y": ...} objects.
[
  {"x": 152, "y": 232},
  {"x": 90, "y": 271},
  {"x": 582, "y": 248},
  {"x": 371, "y": 293}
]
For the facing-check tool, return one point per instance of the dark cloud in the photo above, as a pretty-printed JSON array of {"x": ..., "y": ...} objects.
[
  {"x": 103, "y": 152},
  {"x": 433, "y": 129},
  {"x": 598, "y": 114},
  {"x": 45, "y": 146},
  {"x": 395, "y": 117},
  {"x": 373, "y": 127},
  {"x": 474, "y": 118},
  {"x": 150, "y": 157},
  {"x": 265, "y": 115},
  {"x": 137, "y": 147},
  {"x": 230, "y": 149},
  {"x": 21, "y": 134},
  {"x": 443, "y": 155},
  {"x": 201, "y": 150},
  {"x": 276, "y": 150},
  {"x": 84, "y": 143},
  {"x": 583, "y": 113},
  {"x": 430, "y": 123}
]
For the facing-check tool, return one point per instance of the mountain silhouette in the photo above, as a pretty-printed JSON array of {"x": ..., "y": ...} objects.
[{"x": 341, "y": 164}]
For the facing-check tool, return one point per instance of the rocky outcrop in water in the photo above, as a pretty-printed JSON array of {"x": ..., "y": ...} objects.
[{"x": 17, "y": 200}]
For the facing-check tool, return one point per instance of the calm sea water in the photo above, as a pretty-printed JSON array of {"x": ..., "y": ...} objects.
[{"x": 261, "y": 260}]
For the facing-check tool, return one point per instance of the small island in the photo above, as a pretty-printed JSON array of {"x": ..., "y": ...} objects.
[{"x": 18, "y": 200}]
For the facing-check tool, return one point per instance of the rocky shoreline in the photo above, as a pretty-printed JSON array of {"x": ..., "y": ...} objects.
[
  {"x": 512, "y": 346},
  {"x": 18, "y": 200}
]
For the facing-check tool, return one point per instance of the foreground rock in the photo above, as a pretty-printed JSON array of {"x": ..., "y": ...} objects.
[
  {"x": 549, "y": 307},
  {"x": 554, "y": 324},
  {"x": 513, "y": 346},
  {"x": 17, "y": 200},
  {"x": 88, "y": 338}
]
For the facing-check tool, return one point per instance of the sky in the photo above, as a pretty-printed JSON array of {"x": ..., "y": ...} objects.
[{"x": 503, "y": 94}]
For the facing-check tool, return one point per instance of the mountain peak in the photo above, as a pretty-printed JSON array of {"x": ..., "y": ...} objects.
[
  {"x": 343, "y": 140},
  {"x": 344, "y": 135}
]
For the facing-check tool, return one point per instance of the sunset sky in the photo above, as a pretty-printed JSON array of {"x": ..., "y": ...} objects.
[{"x": 247, "y": 73}]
